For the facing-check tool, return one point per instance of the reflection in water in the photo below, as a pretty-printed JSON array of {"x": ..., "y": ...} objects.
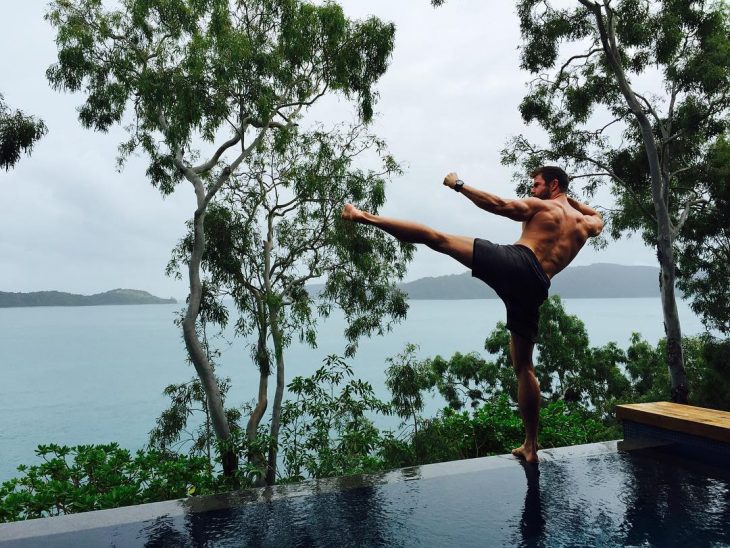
[
  {"x": 162, "y": 532},
  {"x": 331, "y": 519},
  {"x": 670, "y": 507},
  {"x": 532, "y": 525},
  {"x": 601, "y": 500}
]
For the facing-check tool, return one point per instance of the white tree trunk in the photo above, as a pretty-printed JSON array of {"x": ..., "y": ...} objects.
[
  {"x": 278, "y": 398},
  {"x": 665, "y": 251},
  {"x": 195, "y": 348}
]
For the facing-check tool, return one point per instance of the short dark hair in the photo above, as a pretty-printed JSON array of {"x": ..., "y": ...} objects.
[{"x": 552, "y": 172}]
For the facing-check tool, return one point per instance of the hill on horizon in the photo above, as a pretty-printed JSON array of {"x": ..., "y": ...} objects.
[
  {"x": 596, "y": 281},
  {"x": 59, "y": 298}
]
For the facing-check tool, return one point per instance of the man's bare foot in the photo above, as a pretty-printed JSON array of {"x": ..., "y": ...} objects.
[
  {"x": 526, "y": 453},
  {"x": 351, "y": 213}
]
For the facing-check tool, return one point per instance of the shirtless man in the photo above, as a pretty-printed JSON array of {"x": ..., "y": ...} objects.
[{"x": 554, "y": 228}]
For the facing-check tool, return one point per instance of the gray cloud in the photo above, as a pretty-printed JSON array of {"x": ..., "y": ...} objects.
[{"x": 448, "y": 102}]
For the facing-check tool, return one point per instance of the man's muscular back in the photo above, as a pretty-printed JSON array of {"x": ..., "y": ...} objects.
[
  {"x": 554, "y": 226},
  {"x": 556, "y": 233}
]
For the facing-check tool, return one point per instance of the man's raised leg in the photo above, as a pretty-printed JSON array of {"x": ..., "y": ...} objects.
[
  {"x": 460, "y": 248},
  {"x": 528, "y": 395}
]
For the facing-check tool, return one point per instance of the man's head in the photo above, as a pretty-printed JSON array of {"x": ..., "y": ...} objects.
[{"x": 547, "y": 181}]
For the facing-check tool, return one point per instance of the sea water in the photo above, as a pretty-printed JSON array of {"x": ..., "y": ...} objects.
[{"x": 83, "y": 375}]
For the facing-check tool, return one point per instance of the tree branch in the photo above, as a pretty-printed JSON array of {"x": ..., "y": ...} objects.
[
  {"x": 620, "y": 181},
  {"x": 655, "y": 114},
  {"x": 177, "y": 158},
  {"x": 676, "y": 229},
  {"x": 202, "y": 168},
  {"x": 226, "y": 173},
  {"x": 573, "y": 58}
]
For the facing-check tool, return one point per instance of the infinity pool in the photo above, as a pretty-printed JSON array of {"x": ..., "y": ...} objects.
[{"x": 586, "y": 495}]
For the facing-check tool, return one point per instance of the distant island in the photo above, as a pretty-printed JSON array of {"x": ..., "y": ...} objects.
[
  {"x": 596, "y": 281},
  {"x": 58, "y": 298}
]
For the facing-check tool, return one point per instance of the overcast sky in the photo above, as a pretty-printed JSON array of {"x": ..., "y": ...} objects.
[{"x": 448, "y": 102}]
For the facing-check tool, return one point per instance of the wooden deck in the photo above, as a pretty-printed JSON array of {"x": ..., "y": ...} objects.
[{"x": 697, "y": 421}]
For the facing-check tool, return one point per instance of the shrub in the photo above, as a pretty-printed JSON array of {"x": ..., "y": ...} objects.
[{"x": 96, "y": 477}]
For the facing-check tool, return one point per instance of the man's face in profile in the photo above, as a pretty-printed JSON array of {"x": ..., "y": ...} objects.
[{"x": 540, "y": 188}]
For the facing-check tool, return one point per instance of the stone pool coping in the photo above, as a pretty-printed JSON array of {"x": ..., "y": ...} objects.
[{"x": 25, "y": 530}]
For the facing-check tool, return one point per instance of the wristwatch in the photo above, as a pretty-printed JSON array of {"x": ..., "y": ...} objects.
[{"x": 458, "y": 184}]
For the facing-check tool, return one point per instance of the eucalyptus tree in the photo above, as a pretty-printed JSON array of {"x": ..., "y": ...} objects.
[
  {"x": 277, "y": 226},
  {"x": 631, "y": 93},
  {"x": 199, "y": 83},
  {"x": 18, "y": 134}
]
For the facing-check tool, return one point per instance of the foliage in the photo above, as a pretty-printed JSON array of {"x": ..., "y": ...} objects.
[
  {"x": 278, "y": 226},
  {"x": 708, "y": 368},
  {"x": 325, "y": 430},
  {"x": 174, "y": 431},
  {"x": 18, "y": 134},
  {"x": 598, "y": 378},
  {"x": 95, "y": 477},
  {"x": 644, "y": 368},
  {"x": 406, "y": 378},
  {"x": 187, "y": 68},
  {"x": 490, "y": 429},
  {"x": 568, "y": 368},
  {"x": 712, "y": 373},
  {"x": 468, "y": 378},
  {"x": 583, "y": 108},
  {"x": 496, "y": 428},
  {"x": 704, "y": 244},
  {"x": 563, "y": 424}
]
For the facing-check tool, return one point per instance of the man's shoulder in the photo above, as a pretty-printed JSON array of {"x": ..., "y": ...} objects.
[
  {"x": 539, "y": 204},
  {"x": 549, "y": 206}
]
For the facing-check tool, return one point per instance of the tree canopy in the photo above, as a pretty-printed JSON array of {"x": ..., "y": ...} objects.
[
  {"x": 186, "y": 70},
  {"x": 199, "y": 84},
  {"x": 18, "y": 133}
]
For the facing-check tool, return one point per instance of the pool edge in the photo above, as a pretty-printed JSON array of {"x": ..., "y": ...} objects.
[{"x": 43, "y": 527}]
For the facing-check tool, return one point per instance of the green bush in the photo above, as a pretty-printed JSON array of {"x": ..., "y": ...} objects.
[
  {"x": 563, "y": 424},
  {"x": 95, "y": 477},
  {"x": 326, "y": 430},
  {"x": 494, "y": 428}
]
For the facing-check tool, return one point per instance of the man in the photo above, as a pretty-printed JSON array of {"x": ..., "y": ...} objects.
[{"x": 554, "y": 229}]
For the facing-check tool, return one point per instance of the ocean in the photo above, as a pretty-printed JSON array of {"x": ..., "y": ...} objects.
[{"x": 88, "y": 375}]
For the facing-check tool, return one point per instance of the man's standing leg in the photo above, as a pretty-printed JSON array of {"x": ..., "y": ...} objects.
[
  {"x": 528, "y": 394},
  {"x": 460, "y": 248}
]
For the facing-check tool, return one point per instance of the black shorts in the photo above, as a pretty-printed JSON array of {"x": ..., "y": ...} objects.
[{"x": 515, "y": 274}]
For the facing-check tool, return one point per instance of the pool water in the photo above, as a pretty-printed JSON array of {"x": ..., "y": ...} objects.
[{"x": 575, "y": 498}]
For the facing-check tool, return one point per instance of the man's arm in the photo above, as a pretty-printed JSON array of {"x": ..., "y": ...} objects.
[
  {"x": 592, "y": 217},
  {"x": 517, "y": 210}
]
